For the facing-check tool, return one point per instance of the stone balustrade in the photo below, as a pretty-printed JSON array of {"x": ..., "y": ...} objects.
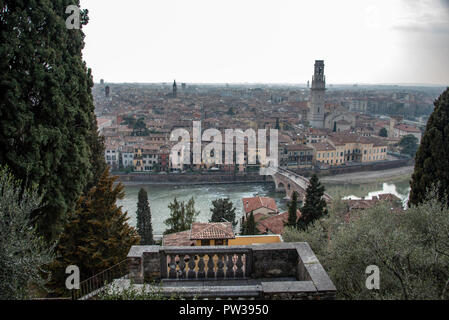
[
  {"x": 265, "y": 271},
  {"x": 206, "y": 263}
]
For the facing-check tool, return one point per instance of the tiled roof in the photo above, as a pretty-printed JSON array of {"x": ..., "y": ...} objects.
[
  {"x": 322, "y": 146},
  {"x": 178, "y": 239},
  {"x": 251, "y": 204},
  {"x": 212, "y": 230},
  {"x": 274, "y": 224},
  {"x": 407, "y": 128}
]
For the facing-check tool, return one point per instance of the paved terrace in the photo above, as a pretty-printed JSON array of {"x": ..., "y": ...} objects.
[{"x": 269, "y": 271}]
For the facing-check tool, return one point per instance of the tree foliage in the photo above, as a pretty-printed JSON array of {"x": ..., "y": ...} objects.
[
  {"x": 432, "y": 158},
  {"x": 315, "y": 206},
  {"x": 23, "y": 253},
  {"x": 409, "y": 145},
  {"x": 97, "y": 235},
  {"x": 48, "y": 132},
  {"x": 292, "y": 210},
  {"x": 248, "y": 226},
  {"x": 144, "y": 225},
  {"x": 223, "y": 210},
  {"x": 182, "y": 216},
  {"x": 383, "y": 132},
  {"x": 411, "y": 249}
]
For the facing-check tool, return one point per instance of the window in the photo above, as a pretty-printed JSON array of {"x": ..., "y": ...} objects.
[
  {"x": 219, "y": 242},
  {"x": 205, "y": 242}
]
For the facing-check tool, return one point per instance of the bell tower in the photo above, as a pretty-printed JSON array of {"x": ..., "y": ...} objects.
[
  {"x": 175, "y": 89},
  {"x": 317, "y": 96}
]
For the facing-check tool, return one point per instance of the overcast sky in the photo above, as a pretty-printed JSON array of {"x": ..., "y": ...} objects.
[{"x": 268, "y": 41}]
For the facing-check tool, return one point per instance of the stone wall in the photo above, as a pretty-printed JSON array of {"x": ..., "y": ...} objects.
[{"x": 191, "y": 178}]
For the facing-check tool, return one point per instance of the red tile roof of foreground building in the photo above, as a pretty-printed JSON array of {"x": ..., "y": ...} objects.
[
  {"x": 211, "y": 230},
  {"x": 178, "y": 239}
]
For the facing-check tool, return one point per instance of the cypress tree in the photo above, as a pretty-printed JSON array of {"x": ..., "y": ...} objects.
[
  {"x": 251, "y": 225},
  {"x": 432, "y": 157},
  {"x": 144, "y": 226},
  {"x": 243, "y": 227},
  {"x": 315, "y": 206},
  {"x": 97, "y": 235},
  {"x": 292, "y": 210},
  {"x": 47, "y": 120}
]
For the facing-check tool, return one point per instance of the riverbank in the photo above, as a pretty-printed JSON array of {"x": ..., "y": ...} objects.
[
  {"x": 394, "y": 174},
  {"x": 175, "y": 179},
  {"x": 391, "y": 170}
]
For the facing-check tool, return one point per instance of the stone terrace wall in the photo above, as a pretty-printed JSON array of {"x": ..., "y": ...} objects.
[{"x": 278, "y": 271}]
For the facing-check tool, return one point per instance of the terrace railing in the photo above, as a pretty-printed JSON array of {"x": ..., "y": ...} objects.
[
  {"x": 93, "y": 285},
  {"x": 205, "y": 263}
]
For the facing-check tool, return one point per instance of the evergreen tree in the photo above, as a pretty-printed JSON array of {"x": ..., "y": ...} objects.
[
  {"x": 243, "y": 227},
  {"x": 97, "y": 235},
  {"x": 47, "y": 123},
  {"x": 223, "y": 210},
  {"x": 250, "y": 228},
  {"x": 277, "y": 126},
  {"x": 383, "y": 132},
  {"x": 144, "y": 226},
  {"x": 432, "y": 158},
  {"x": 409, "y": 145},
  {"x": 292, "y": 210},
  {"x": 181, "y": 216},
  {"x": 315, "y": 206},
  {"x": 23, "y": 253}
]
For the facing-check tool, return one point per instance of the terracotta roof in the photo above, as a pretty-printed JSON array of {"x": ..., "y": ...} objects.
[
  {"x": 322, "y": 146},
  {"x": 178, "y": 239},
  {"x": 275, "y": 224},
  {"x": 368, "y": 203},
  {"x": 298, "y": 147},
  {"x": 211, "y": 230},
  {"x": 251, "y": 204},
  {"x": 407, "y": 128}
]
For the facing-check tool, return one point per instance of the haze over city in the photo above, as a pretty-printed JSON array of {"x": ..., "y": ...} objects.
[{"x": 402, "y": 42}]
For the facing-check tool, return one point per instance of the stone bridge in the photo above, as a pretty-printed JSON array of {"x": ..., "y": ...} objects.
[{"x": 289, "y": 181}]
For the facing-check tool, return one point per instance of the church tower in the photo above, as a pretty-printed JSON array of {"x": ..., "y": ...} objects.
[
  {"x": 316, "y": 115},
  {"x": 175, "y": 89}
]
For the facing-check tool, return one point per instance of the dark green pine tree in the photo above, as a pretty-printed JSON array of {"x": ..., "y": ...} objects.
[
  {"x": 315, "y": 206},
  {"x": 292, "y": 210},
  {"x": 47, "y": 122},
  {"x": 432, "y": 157},
  {"x": 223, "y": 210},
  {"x": 144, "y": 226},
  {"x": 97, "y": 235}
]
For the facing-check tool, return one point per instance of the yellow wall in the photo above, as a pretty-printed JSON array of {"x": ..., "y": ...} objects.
[
  {"x": 211, "y": 242},
  {"x": 248, "y": 240}
]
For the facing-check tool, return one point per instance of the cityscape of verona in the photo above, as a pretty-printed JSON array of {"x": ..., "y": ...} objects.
[{"x": 312, "y": 189}]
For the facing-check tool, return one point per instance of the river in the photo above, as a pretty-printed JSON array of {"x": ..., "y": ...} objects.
[{"x": 160, "y": 196}]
